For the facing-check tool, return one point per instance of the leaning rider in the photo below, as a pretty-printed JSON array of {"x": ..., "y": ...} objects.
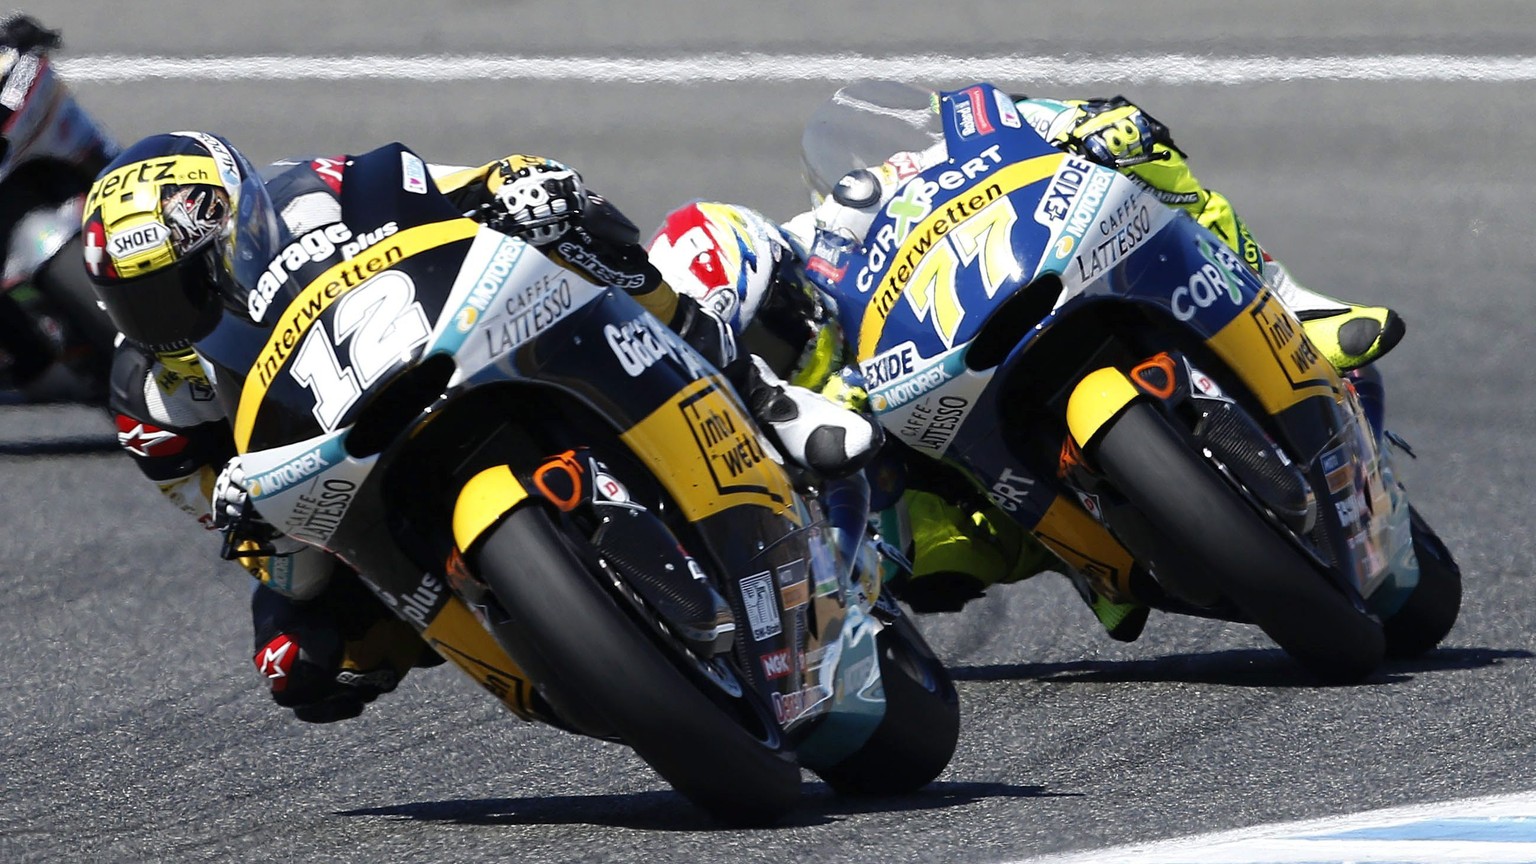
[
  {"x": 181, "y": 229},
  {"x": 754, "y": 272}
]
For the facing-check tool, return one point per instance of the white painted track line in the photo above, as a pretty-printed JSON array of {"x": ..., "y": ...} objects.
[
  {"x": 1492, "y": 830},
  {"x": 1067, "y": 69}
]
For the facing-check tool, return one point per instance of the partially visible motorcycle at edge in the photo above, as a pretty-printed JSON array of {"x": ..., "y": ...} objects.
[{"x": 55, "y": 341}]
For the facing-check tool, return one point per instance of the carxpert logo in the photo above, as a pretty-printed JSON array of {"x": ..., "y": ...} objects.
[{"x": 913, "y": 205}]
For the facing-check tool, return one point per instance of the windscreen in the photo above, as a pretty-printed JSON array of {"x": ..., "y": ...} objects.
[{"x": 861, "y": 126}]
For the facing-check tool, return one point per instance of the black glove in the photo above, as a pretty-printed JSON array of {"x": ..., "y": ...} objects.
[
  {"x": 1117, "y": 134},
  {"x": 537, "y": 199},
  {"x": 22, "y": 32}
]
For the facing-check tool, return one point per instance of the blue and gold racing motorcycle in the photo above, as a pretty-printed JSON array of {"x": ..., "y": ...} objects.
[
  {"x": 572, "y": 505},
  {"x": 1113, "y": 376}
]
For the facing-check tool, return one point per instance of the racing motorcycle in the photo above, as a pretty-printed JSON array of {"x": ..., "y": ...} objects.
[
  {"x": 55, "y": 341},
  {"x": 1112, "y": 376},
  {"x": 572, "y": 505}
]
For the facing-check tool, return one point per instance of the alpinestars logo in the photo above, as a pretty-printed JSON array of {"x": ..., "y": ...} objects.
[
  {"x": 276, "y": 660},
  {"x": 147, "y": 439},
  {"x": 588, "y": 261}
]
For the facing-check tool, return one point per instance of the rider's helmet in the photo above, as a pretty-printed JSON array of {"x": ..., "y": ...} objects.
[
  {"x": 752, "y": 273},
  {"x": 175, "y": 228}
]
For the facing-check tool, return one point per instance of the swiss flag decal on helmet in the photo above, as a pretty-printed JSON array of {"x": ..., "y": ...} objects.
[{"x": 96, "y": 260}]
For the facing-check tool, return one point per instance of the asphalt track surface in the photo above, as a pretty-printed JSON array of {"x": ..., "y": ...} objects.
[{"x": 132, "y": 727}]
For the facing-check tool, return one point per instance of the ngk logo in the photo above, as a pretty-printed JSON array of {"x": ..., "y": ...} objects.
[{"x": 776, "y": 664}]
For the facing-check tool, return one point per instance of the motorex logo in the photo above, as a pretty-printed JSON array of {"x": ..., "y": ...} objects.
[
  {"x": 918, "y": 382},
  {"x": 264, "y": 484},
  {"x": 489, "y": 283}
]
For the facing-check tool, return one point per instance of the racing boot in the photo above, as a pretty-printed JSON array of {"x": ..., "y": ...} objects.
[
  {"x": 810, "y": 429},
  {"x": 1122, "y": 621},
  {"x": 328, "y": 657},
  {"x": 1348, "y": 334},
  {"x": 958, "y": 553}
]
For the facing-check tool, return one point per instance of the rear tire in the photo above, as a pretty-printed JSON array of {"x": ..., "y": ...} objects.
[
  {"x": 1241, "y": 554},
  {"x": 916, "y": 738},
  {"x": 65, "y": 283},
  {"x": 588, "y": 657},
  {"x": 89, "y": 335},
  {"x": 1431, "y": 610}
]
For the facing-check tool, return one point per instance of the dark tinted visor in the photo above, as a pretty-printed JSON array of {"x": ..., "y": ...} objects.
[
  {"x": 166, "y": 309},
  {"x": 787, "y": 322}
]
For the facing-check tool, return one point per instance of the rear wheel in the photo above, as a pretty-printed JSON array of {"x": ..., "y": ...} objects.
[
  {"x": 592, "y": 660},
  {"x": 1238, "y": 551},
  {"x": 64, "y": 281},
  {"x": 89, "y": 334},
  {"x": 1432, "y": 608},
  {"x": 916, "y": 738}
]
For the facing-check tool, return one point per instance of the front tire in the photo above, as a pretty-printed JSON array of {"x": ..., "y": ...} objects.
[
  {"x": 1186, "y": 501},
  {"x": 589, "y": 658},
  {"x": 916, "y": 738}
]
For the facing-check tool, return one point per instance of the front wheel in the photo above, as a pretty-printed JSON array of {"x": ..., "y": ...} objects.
[
  {"x": 916, "y": 738},
  {"x": 1186, "y": 501},
  {"x": 589, "y": 658}
]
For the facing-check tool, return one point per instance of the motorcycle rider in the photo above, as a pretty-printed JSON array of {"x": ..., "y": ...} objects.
[
  {"x": 755, "y": 274},
  {"x": 181, "y": 229}
]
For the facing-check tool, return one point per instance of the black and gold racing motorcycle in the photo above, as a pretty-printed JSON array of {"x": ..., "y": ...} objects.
[{"x": 572, "y": 506}]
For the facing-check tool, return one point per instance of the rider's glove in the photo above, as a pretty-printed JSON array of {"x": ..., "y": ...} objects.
[
  {"x": 22, "y": 32},
  {"x": 538, "y": 199},
  {"x": 245, "y": 532},
  {"x": 1117, "y": 134}
]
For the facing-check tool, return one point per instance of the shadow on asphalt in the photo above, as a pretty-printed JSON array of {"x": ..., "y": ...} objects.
[
  {"x": 79, "y": 445},
  {"x": 669, "y": 811},
  {"x": 1252, "y": 667}
]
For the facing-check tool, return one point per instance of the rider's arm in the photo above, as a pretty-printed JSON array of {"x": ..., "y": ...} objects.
[
  {"x": 607, "y": 250},
  {"x": 1119, "y": 134},
  {"x": 171, "y": 424},
  {"x": 172, "y": 427}
]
